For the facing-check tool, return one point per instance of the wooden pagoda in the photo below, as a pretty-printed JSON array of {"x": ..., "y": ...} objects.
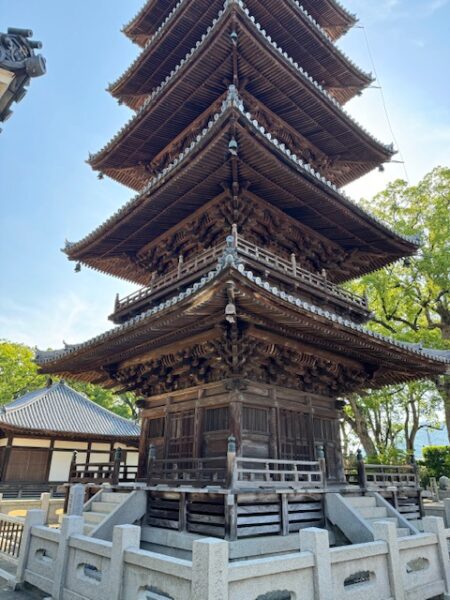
[{"x": 241, "y": 340}]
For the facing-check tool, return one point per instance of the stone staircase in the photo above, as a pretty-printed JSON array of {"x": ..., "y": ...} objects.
[
  {"x": 366, "y": 507},
  {"x": 100, "y": 508}
]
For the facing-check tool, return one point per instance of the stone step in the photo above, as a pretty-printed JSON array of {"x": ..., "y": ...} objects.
[
  {"x": 116, "y": 497},
  {"x": 389, "y": 519},
  {"x": 403, "y": 532},
  {"x": 372, "y": 512},
  {"x": 88, "y": 529},
  {"x": 361, "y": 501},
  {"x": 93, "y": 517},
  {"x": 104, "y": 507}
]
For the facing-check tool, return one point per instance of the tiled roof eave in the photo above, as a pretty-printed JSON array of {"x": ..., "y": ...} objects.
[
  {"x": 230, "y": 261},
  {"x": 233, "y": 101},
  {"x": 114, "y": 87},
  {"x": 384, "y": 149}
]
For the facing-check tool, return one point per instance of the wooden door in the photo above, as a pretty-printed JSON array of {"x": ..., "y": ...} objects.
[
  {"x": 294, "y": 439},
  {"x": 181, "y": 434},
  {"x": 28, "y": 465}
]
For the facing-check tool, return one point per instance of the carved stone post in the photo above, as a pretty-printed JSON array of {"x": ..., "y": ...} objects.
[{"x": 361, "y": 468}]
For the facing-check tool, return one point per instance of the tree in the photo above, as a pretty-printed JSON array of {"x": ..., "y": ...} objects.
[
  {"x": 411, "y": 302},
  {"x": 19, "y": 375}
]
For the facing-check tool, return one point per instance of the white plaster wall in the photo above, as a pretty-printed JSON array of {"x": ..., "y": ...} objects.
[
  {"x": 60, "y": 466},
  {"x": 31, "y": 442},
  {"x": 71, "y": 445}
]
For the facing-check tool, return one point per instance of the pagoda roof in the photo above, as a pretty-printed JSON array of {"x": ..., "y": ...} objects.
[
  {"x": 285, "y": 88},
  {"x": 286, "y": 21},
  {"x": 271, "y": 172},
  {"x": 329, "y": 14},
  {"x": 194, "y": 312},
  {"x": 59, "y": 409}
]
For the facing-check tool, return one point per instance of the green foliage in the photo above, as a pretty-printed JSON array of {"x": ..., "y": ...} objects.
[
  {"x": 390, "y": 456},
  {"x": 19, "y": 375},
  {"x": 18, "y": 372},
  {"x": 436, "y": 460},
  {"x": 411, "y": 302}
]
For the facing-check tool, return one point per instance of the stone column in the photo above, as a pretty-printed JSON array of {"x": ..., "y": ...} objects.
[
  {"x": 45, "y": 505},
  {"x": 34, "y": 518},
  {"x": 124, "y": 536},
  {"x": 316, "y": 540},
  {"x": 386, "y": 531},
  {"x": 75, "y": 505},
  {"x": 436, "y": 525},
  {"x": 209, "y": 570},
  {"x": 71, "y": 525}
]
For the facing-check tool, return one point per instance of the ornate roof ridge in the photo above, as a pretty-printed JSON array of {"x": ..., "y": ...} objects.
[
  {"x": 297, "y": 6},
  {"x": 310, "y": 81},
  {"x": 233, "y": 99},
  {"x": 230, "y": 259}
]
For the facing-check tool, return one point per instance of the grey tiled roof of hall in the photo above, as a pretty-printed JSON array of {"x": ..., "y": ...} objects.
[
  {"x": 59, "y": 408},
  {"x": 230, "y": 260},
  {"x": 234, "y": 100}
]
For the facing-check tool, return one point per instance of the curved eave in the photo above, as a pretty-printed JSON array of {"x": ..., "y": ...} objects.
[
  {"x": 331, "y": 15},
  {"x": 153, "y": 328},
  {"x": 310, "y": 107},
  {"x": 210, "y": 148},
  {"x": 294, "y": 29}
]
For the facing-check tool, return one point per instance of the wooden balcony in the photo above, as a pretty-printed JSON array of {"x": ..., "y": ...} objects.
[
  {"x": 234, "y": 472},
  {"x": 113, "y": 471},
  {"x": 286, "y": 272}
]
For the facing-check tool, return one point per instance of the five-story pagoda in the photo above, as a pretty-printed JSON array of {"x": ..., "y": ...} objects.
[{"x": 241, "y": 339}]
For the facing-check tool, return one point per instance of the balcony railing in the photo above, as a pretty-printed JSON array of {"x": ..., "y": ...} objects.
[
  {"x": 252, "y": 252},
  {"x": 235, "y": 472},
  {"x": 370, "y": 476},
  {"x": 98, "y": 472}
]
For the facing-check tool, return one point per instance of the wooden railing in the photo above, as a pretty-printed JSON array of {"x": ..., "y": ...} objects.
[
  {"x": 11, "y": 530},
  {"x": 382, "y": 476},
  {"x": 279, "y": 473},
  {"x": 113, "y": 471},
  {"x": 188, "y": 471},
  {"x": 235, "y": 471},
  {"x": 248, "y": 250}
]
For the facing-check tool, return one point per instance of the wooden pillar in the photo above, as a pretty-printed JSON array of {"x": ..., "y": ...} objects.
[
  {"x": 362, "y": 480},
  {"x": 235, "y": 426},
  {"x": 310, "y": 429},
  {"x": 143, "y": 449},
  {"x": 6, "y": 455}
]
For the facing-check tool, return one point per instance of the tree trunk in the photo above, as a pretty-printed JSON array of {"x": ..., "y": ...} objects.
[{"x": 358, "y": 422}]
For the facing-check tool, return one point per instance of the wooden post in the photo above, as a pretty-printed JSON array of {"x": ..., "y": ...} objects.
[
  {"x": 182, "y": 512},
  {"x": 73, "y": 466},
  {"x": 230, "y": 517},
  {"x": 322, "y": 464},
  {"x": 362, "y": 480},
  {"x": 151, "y": 460},
  {"x": 418, "y": 488},
  {"x": 284, "y": 514},
  {"x": 116, "y": 467},
  {"x": 231, "y": 463}
]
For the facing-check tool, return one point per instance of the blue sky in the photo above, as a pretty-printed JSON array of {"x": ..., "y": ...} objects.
[{"x": 48, "y": 193}]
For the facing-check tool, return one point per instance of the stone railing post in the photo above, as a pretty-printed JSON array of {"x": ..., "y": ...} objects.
[
  {"x": 386, "y": 531},
  {"x": 124, "y": 537},
  {"x": 34, "y": 518},
  {"x": 361, "y": 469},
  {"x": 75, "y": 504},
  {"x": 447, "y": 512},
  {"x": 231, "y": 463},
  {"x": 436, "y": 526},
  {"x": 71, "y": 525},
  {"x": 209, "y": 570},
  {"x": 45, "y": 505},
  {"x": 316, "y": 540}
]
